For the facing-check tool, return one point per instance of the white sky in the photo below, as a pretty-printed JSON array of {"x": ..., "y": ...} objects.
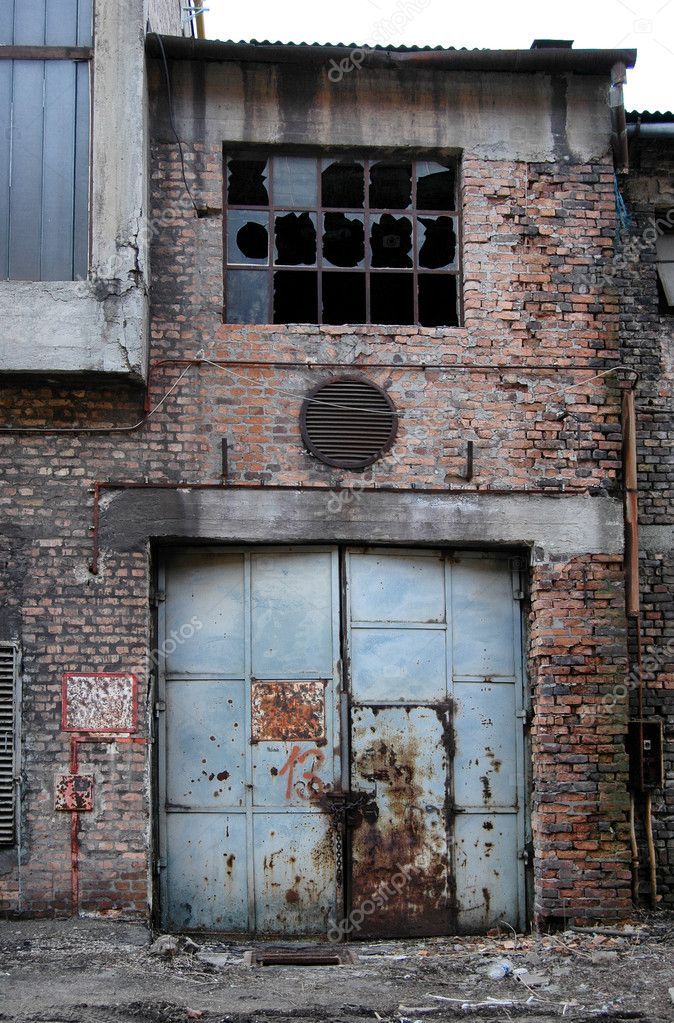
[{"x": 647, "y": 25}]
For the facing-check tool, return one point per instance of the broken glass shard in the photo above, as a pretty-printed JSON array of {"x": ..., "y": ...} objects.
[
  {"x": 295, "y": 239},
  {"x": 436, "y": 241},
  {"x": 247, "y": 182},
  {"x": 343, "y": 184},
  {"x": 247, "y": 237},
  {"x": 436, "y": 186},
  {"x": 343, "y": 239},
  {"x": 391, "y": 241}
]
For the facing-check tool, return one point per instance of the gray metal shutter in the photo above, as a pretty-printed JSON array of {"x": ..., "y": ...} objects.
[{"x": 8, "y": 740}]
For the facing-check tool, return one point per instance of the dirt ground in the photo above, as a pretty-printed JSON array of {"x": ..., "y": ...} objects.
[{"x": 89, "y": 971}]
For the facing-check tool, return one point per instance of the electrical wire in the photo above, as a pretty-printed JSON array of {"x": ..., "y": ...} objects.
[
  {"x": 200, "y": 358},
  {"x": 169, "y": 97}
]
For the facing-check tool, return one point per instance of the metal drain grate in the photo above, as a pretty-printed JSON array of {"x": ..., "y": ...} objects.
[{"x": 304, "y": 957}]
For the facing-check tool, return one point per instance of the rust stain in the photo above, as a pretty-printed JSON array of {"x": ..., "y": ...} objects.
[
  {"x": 288, "y": 711},
  {"x": 74, "y": 792},
  {"x": 393, "y": 832}
]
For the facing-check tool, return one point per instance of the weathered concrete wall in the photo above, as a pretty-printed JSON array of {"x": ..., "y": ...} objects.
[
  {"x": 100, "y": 324},
  {"x": 498, "y": 116}
]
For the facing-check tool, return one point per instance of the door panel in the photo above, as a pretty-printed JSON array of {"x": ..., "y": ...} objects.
[
  {"x": 207, "y": 872},
  {"x": 398, "y": 756},
  {"x": 206, "y": 749},
  {"x": 266, "y": 742},
  {"x": 436, "y": 740},
  {"x": 295, "y": 873},
  {"x": 413, "y": 661}
]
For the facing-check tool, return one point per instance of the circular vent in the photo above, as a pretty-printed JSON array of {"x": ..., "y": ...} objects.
[{"x": 348, "y": 422}]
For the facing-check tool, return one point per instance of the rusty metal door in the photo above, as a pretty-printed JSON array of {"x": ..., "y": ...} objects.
[
  {"x": 436, "y": 732},
  {"x": 249, "y": 741}
]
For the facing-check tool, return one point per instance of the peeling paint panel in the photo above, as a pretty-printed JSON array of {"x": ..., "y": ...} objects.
[
  {"x": 295, "y": 872},
  {"x": 99, "y": 702},
  {"x": 398, "y": 755},
  {"x": 207, "y": 871},
  {"x": 206, "y": 762},
  {"x": 291, "y": 611},
  {"x": 204, "y": 634},
  {"x": 486, "y": 871},
  {"x": 74, "y": 792},
  {"x": 485, "y": 762},
  {"x": 287, "y": 710},
  {"x": 482, "y": 596},
  {"x": 395, "y": 664},
  {"x": 390, "y": 587}
]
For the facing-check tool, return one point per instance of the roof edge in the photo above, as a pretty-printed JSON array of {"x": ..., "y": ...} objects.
[{"x": 590, "y": 62}]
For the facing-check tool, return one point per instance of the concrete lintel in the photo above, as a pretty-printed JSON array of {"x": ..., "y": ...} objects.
[
  {"x": 52, "y": 327},
  {"x": 556, "y": 526}
]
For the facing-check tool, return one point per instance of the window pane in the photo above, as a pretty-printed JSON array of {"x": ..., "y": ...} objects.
[
  {"x": 247, "y": 237},
  {"x": 295, "y": 297},
  {"x": 295, "y": 239},
  {"x": 247, "y": 296},
  {"x": 295, "y": 181},
  {"x": 343, "y": 184},
  {"x": 436, "y": 186},
  {"x": 343, "y": 298},
  {"x": 390, "y": 186},
  {"x": 437, "y": 300},
  {"x": 436, "y": 241},
  {"x": 343, "y": 239},
  {"x": 391, "y": 241},
  {"x": 247, "y": 182},
  {"x": 392, "y": 298}
]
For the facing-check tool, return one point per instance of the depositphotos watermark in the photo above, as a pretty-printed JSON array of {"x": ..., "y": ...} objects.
[
  {"x": 384, "y": 891},
  {"x": 382, "y": 33}
]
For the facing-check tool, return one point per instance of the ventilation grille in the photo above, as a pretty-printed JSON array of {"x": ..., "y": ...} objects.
[
  {"x": 8, "y": 672},
  {"x": 348, "y": 422}
]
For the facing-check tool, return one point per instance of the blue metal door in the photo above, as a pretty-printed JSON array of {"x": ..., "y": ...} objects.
[
  {"x": 250, "y": 745},
  {"x": 437, "y": 760}
]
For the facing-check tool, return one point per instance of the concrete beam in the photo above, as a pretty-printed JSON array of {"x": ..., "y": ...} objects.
[{"x": 554, "y": 526}]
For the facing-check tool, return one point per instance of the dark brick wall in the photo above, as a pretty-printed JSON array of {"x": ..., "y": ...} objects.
[
  {"x": 647, "y": 337},
  {"x": 534, "y": 239}
]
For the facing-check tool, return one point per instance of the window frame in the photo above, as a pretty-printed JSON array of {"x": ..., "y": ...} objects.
[{"x": 367, "y": 156}]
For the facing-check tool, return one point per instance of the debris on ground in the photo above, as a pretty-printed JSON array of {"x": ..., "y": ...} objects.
[{"x": 95, "y": 971}]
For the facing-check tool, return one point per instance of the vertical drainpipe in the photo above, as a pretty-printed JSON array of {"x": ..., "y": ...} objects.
[{"x": 633, "y": 607}]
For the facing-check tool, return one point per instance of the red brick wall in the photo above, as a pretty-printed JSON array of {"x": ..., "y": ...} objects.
[{"x": 534, "y": 237}]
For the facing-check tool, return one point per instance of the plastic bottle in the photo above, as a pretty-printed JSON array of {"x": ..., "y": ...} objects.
[{"x": 500, "y": 970}]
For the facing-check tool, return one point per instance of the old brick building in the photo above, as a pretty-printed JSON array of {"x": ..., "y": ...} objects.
[{"x": 318, "y": 603}]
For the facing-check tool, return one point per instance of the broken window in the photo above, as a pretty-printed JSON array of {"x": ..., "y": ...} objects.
[
  {"x": 664, "y": 251},
  {"x": 341, "y": 240}
]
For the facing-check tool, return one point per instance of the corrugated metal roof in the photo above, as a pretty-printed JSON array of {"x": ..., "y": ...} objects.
[
  {"x": 650, "y": 116},
  {"x": 397, "y": 48},
  {"x": 546, "y": 60}
]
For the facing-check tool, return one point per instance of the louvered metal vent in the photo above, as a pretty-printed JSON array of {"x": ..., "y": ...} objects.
[
  {"x": 8, "y": 689},
  {"x": 348, "y": 422}
]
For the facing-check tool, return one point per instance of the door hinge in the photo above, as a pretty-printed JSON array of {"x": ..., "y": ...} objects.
[
  {"x": 159, "y": 707},
  {"x": 157, "y": 598},
  {"x": 160, "y": 864}
]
